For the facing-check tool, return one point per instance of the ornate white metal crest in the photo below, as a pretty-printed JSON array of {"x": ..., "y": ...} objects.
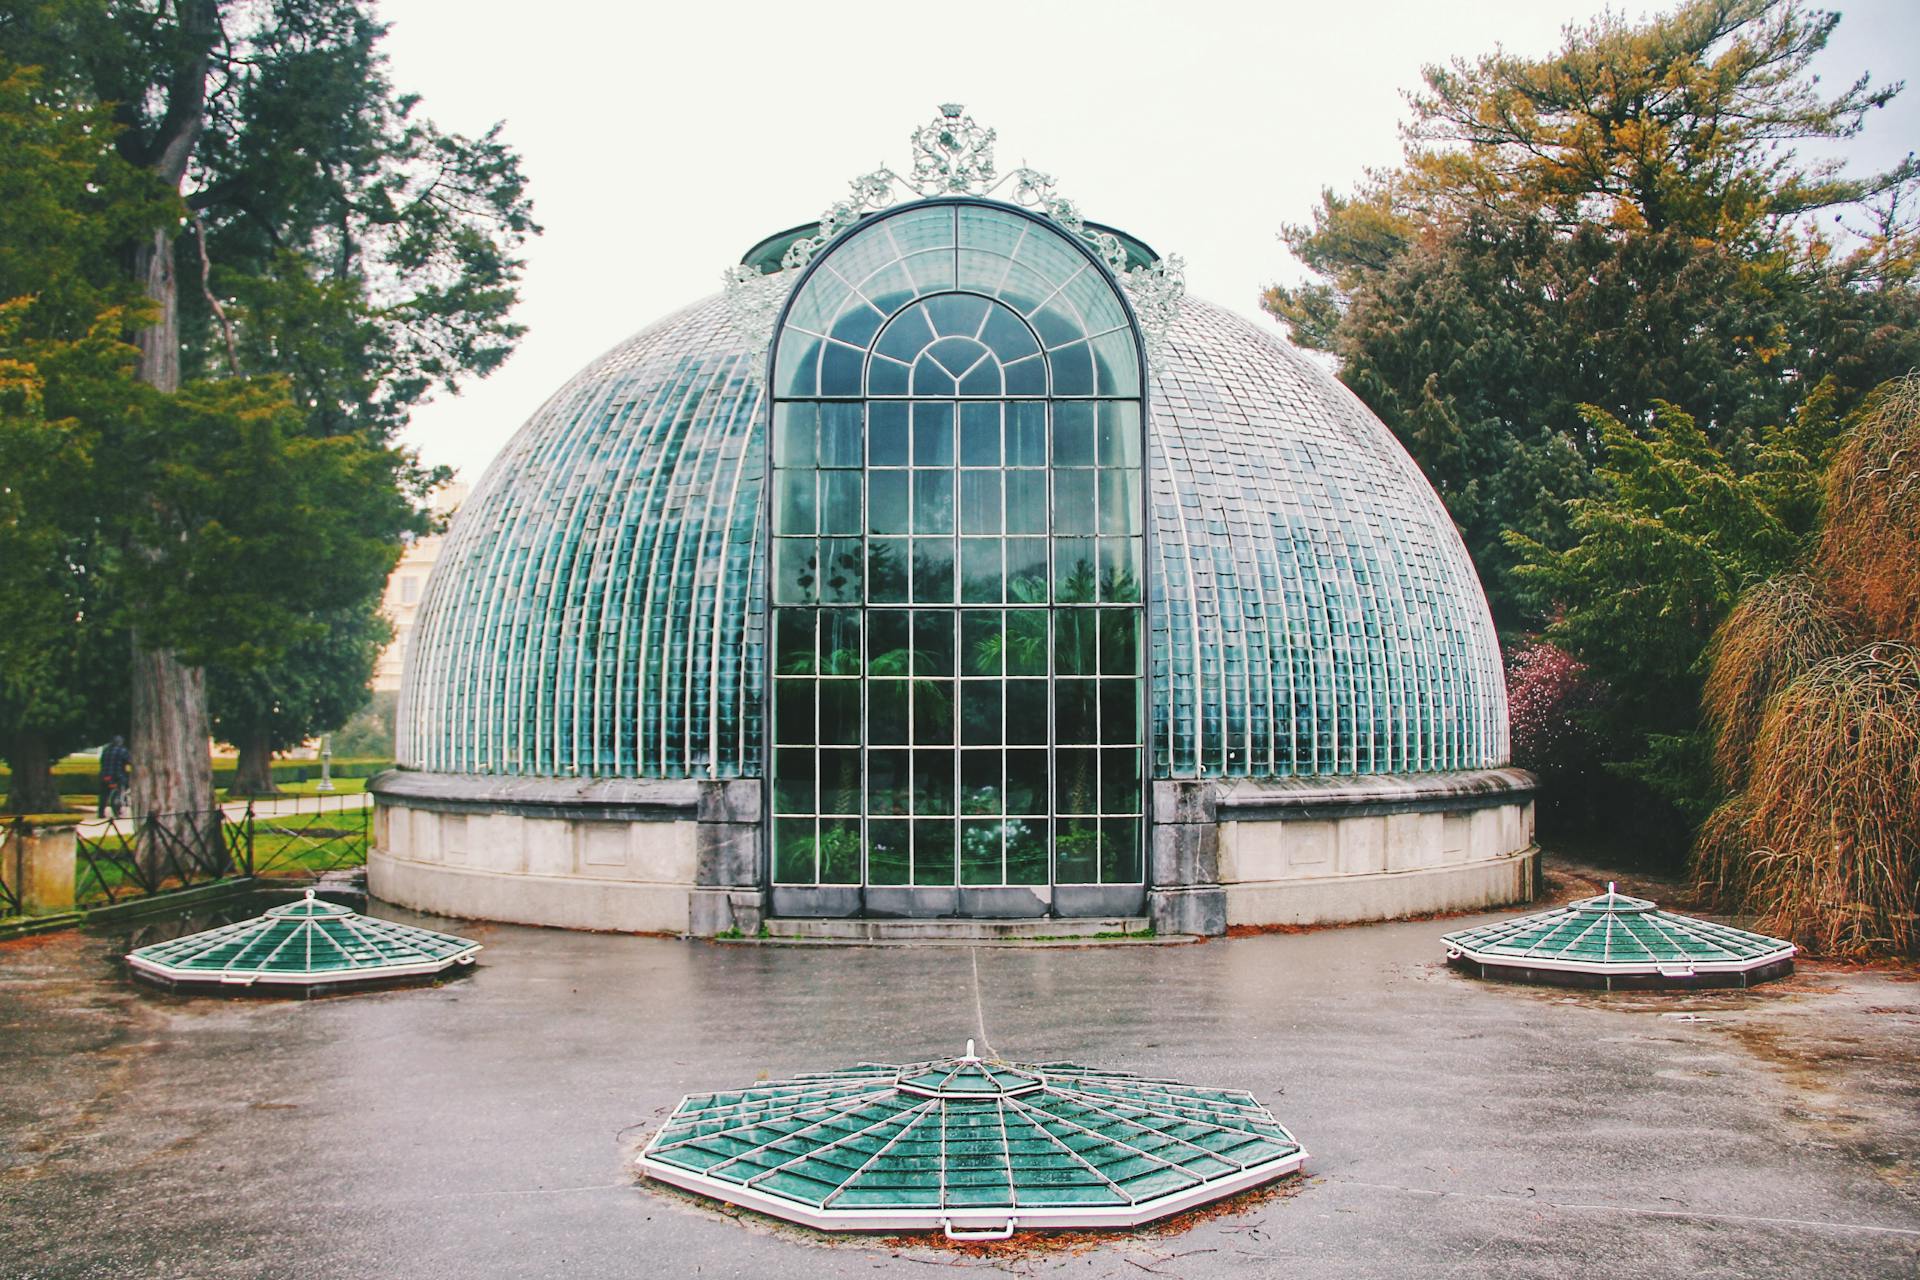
[{"x": 952, "y": 155}]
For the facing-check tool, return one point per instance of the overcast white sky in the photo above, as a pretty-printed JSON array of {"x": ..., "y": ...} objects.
[{"x": 663, "y": 140}]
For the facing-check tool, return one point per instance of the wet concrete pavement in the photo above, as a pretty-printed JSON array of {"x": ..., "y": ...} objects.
[{"x": 486, "y": 1127}]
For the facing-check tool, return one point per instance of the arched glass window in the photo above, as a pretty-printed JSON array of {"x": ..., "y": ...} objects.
[{"x": 957, "y": 715}]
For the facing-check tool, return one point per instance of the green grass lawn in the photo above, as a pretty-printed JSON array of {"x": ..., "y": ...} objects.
[{"x": 291, "y": 845}]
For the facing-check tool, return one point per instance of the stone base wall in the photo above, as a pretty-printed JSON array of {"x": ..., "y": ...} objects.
[
  {"x": 614, "y": 856},
  {"x": 682, "y": 857},
  {"x": 1320, "y": 851}
]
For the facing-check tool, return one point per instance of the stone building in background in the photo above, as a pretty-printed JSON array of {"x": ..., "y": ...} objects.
[{"x": 406, "y": 587}]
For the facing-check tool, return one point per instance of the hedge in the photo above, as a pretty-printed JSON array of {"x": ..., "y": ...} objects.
[{"x": 81, "y": 776}]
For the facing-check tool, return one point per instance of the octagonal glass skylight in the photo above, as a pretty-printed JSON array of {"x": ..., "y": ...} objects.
[{"x": 977, "y": 1148}]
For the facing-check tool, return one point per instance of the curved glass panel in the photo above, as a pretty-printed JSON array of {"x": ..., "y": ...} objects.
[{"x": 958, "y": 692}]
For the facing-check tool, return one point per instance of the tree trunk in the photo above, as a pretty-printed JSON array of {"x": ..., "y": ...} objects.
[
  {"x": 254, "y": 774},
  {"x": 172, "y": 768},
  {"x": 31, "y": 789}
]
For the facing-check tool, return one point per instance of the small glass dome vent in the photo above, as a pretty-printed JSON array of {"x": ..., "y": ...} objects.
[
  {"x": 978, "y": 1148},
  {"x": 308, "y": 944},
  {"x": 1614, "y": 940}
]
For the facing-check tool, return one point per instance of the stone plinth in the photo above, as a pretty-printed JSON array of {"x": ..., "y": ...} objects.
[{"x": 38, "y": 865}]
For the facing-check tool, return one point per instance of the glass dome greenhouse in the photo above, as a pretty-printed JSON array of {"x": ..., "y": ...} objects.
[{"x": 952, "y": 564}]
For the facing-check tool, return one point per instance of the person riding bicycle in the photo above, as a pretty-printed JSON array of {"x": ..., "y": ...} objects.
[{"x": 116, "y": 764}]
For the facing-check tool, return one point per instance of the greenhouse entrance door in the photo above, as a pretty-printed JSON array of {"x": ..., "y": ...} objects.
[{"x": 957, "y": 715}]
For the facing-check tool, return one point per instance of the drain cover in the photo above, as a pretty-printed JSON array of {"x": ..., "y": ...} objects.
[
  {"x": 1614, "y": 940},
  {"x": 977, "y": 1148},
  {"x": 308, "y": 943}
]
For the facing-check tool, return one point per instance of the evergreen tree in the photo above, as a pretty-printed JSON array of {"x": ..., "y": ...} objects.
[
  {"x": 313, "y": 688},
  {"x": 1623, "y": 222},
  {"x": 328, "y": 258}
]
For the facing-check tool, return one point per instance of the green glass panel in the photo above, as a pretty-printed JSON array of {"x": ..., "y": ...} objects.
[
  {"x": 887, "y": 434},
  {"x": 1075, "y": 705},
  {"x": 933, "y": 782},
  {"x": 1027, "y": 433},
  {"x": 840, "y": 570},
  {"x": 1076, "y": 780},
  {"x": 1026, "y": 711},
  {"x": 839, "y": 712},
  {"x": 932, "y": 712},
  {"x": 1073, "y": 511},
  {"x": 888, "y": 642},
  {"x": 933, "y": 852},
  {"x": 794, "y": 509},
  {"x": 1027, "y": 570},
  {"x": 980, "y": 712},
  {"x": 888, "y": 509},
  {"x": 981, "y": 642},
  {"x": 794, "y": 433},
  {"x": 1073, "y": 435},
  {"x": 793, "y": 780},
  {"x": 1120, "y": 850},
  {"x": 1026, "y": 642},
  {"x": 980, "y": 572},
  {"x": 1120, "y": 642},
  {"x": 933, "y": 570},
  {"x": 1073, "y": 570},
  {"x": 840, "y": 502},
  {"x": 933, "y": 642},
  {"x": 933, "y": 502},
  {"x": 1120, "y": 710},
  {"x": 1026, "y": 501},
  {"x": 1119, "y": 431},
  {"x": 796, "y": 571},
  {"x": 1076, "y": 642},
  {"x": 1120, "y": 570},
  {"x": 980, "y": 790},
  {"x": 840, "y": 642},
  {"x": 793, "y": 710},
  {"x": 887, "y": 561},
  {"x": 840, "y": 787},
  {"x": 1119, "y": 780},
  {"x": 887, "y": 705},
  {"x": 839, "y": 851},
  {"x": 795, "y": 849},
  {"x": 979, "y": 502},
  {"x": 793, "y": 641},
  {"x": 933, "y": 435},
  {"x": 979, "y": 435},
  {"x": 1026, "y": 851},
  {"x": 840, "y": 444},
  {"x": 1076, "y": 856},
  {"x": 889, "y": 781},
  {"x": 1119, "y": 501},
  {"x": 889, "y": 856},
  {"x": 979, "y": 855}
]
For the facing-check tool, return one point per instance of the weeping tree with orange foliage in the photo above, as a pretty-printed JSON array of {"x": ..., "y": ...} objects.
[{"x": 1813, "y": 695}]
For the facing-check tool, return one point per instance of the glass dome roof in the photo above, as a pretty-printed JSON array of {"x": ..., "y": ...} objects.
[{"x": 595, "y": 611}]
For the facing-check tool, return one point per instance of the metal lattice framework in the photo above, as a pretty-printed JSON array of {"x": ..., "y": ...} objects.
[
  {"x": 596, "y": 610},
  {"x": 978, "y": 1148},
  {"x": 302, "y": 944},
  {"x": 1618, "y": 935}
]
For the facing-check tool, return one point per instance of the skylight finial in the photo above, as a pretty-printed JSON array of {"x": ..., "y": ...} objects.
[{"x": 969, "y": 1055}]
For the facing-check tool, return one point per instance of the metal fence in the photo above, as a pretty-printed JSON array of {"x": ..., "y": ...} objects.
[{"x": 296, "y": 837}]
